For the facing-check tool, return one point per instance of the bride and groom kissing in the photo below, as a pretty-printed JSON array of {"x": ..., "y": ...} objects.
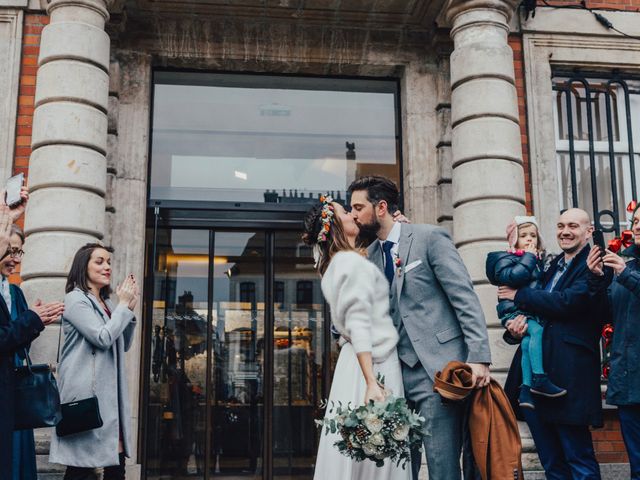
[{"x": 404, "y": 307}]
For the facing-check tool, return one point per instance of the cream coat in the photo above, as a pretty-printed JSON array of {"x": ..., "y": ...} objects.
[{"x": 85, "y": 331}]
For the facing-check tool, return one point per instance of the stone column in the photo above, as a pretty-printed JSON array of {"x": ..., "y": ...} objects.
[
  {"x": 67, "y": 171},
  {"x": 488, "y": 177}
]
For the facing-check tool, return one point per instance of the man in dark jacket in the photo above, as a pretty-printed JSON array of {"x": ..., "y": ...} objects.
[
  {"x": 622, "y": 309},
  {"x": 560, "y": 426}
]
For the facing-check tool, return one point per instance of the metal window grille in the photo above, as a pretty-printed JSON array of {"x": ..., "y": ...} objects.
[{"x": 597, "y": 124}]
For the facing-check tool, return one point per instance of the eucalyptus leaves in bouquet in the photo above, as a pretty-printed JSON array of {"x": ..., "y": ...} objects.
[{"x": 375, "y": 431}]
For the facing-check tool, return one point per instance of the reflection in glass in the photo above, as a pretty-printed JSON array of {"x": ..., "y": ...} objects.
[
  {"x": 176, "y": 408},
  {"x": 298, "y": 365},
  {"x": 268, "y": 139},
  {"x": 238, "y": 355}
]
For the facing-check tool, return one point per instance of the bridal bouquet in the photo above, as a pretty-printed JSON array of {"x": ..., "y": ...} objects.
[{"x": 376, "y": 431}]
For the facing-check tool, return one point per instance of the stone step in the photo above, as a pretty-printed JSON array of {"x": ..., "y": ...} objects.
[{"x": 50, "y": 476}]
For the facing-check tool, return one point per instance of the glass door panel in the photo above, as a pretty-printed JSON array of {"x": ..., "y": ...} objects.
[
  {"x": 234, "y": 378},
  {"x": 298, "y": 357},
  {"x": 237, "y": 371},
  {"x": 177, "y": 384}
]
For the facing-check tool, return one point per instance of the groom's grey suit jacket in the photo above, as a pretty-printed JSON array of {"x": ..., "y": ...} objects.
[{"x": 433, "y": 301}]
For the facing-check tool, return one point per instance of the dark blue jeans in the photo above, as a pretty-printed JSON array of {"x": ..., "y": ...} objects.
[
  {"x": 630, "y": 426},
  {"x": 565, "y": 451}
]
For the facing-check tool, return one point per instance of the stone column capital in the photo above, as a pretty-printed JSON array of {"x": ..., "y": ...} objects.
[{"x": 454, "y": 8}]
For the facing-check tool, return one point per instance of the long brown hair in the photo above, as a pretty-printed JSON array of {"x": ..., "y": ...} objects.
[
  {"x": 78, "y": 274},
  {"x": 337, "y": 240}
]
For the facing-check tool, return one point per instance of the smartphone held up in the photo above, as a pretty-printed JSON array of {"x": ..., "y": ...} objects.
[
  {"x": 13, "y": 188},
  {"x": 598, "y": 241}
]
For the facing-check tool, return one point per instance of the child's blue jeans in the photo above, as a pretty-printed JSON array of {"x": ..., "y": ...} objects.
[{"x": 532, "y": 352}]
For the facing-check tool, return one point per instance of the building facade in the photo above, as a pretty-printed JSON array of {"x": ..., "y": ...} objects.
[{"x": 190, "y": 136}]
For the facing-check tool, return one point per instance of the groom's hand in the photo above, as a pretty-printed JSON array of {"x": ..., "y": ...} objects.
[{"x": 480, "y": 374}]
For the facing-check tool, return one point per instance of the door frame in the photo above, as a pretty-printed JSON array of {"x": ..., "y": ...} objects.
[{"x": 226, "y": 217}]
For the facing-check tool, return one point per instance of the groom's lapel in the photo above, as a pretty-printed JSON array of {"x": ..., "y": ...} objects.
[
  {"x": 375, "y": 255},
  {"x": 406, "y": 238}
]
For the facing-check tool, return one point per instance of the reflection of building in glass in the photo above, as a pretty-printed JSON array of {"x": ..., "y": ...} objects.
[{"x": 306, "y": 197}]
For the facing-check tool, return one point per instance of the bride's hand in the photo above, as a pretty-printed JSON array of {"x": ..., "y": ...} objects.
[{"x": 374, "y": 392}]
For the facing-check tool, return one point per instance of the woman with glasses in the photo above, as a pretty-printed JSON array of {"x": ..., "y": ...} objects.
[
  {"x": 24, "y": 453},
  {"x": 18, "y": 327}
]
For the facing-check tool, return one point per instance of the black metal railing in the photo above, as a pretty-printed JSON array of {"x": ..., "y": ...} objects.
[{"x": 589, "y": 108}]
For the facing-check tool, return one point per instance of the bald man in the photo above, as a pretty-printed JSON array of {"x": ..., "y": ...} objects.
[{"x": 563, "y": 299}]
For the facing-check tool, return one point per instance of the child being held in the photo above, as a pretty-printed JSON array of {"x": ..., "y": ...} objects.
[{"x": 518, "y": 267}]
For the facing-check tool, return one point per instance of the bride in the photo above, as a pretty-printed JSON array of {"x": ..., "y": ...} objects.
[{"x": 358, "y": 294}]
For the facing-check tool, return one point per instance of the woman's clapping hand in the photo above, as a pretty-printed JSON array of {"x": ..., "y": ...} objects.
[
  {"x": 48, "y": 312},
  {"x": 128, "y": 292}
]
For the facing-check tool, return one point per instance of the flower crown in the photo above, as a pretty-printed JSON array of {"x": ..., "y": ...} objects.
[{"x": 326, "y": 217}]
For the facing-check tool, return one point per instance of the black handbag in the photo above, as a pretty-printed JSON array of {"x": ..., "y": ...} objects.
[
  {"x": 36, "y": 396},
  {"x": 81, "y": 415}
]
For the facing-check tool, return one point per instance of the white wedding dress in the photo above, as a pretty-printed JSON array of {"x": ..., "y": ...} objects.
[{"x": 358, "y": 295}]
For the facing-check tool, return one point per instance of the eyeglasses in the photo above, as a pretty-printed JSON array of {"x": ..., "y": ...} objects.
[{"x": 15, "y": 252}]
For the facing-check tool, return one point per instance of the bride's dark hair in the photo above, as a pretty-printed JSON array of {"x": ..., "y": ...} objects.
[{"x": 336, "y": 238}]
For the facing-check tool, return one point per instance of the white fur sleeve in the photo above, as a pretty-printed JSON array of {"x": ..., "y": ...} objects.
[{"x": 353, "y": 293}]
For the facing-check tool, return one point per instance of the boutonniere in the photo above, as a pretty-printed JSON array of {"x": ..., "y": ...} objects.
[{"x": 398, "y": 263}]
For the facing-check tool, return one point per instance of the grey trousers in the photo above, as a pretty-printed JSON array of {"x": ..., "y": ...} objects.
[{"x": 443, "y": 426}]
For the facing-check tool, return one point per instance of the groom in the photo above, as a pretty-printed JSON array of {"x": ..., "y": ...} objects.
[{"x": 435, "y": 310}]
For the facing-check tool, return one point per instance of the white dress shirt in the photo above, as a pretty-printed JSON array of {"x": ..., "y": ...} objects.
[
  {"x": 6, "y": 292},
  {"x": 394, "y": 236}
]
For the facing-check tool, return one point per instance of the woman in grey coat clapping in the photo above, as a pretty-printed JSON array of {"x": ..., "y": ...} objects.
[{"x": 97, "y": 333}]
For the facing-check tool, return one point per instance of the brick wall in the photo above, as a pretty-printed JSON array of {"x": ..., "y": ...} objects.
[
  {"x": 608, "y": 440},
  {"x": 630, "y": 5},
  {"x": 33, "y": 25},
  {"x": 515, "y": 42}
]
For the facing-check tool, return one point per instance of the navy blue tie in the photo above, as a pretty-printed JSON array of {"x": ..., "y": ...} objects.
[{"x": 388, "y": 261}]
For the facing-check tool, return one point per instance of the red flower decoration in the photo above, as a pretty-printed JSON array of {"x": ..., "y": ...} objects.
[
  {"x": 607, "y": 337},
  {"x": 607, "y": 333},
  {"x": 623, "y": 241},
  {"x": 632, "y": 206}
]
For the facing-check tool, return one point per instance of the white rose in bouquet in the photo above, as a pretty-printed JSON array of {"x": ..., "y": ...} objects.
[
  {"x": 369, "y": 450},
  {"x": 377, "y": 439},
  {"x": 400, "y": 433},
  {"x": 373, "y": 423}
]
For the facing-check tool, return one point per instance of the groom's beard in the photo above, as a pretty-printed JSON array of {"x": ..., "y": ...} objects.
[{"x": 368, "y": 233}]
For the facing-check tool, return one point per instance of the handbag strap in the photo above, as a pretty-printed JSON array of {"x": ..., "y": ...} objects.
[{"x": 93, "y": 348}]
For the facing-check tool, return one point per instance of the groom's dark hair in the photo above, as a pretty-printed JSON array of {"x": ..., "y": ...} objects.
[{"x": 378, "y": 188}]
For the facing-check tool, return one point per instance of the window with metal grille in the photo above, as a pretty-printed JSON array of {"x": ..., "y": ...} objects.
[{"x": 597, "y": 124}]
